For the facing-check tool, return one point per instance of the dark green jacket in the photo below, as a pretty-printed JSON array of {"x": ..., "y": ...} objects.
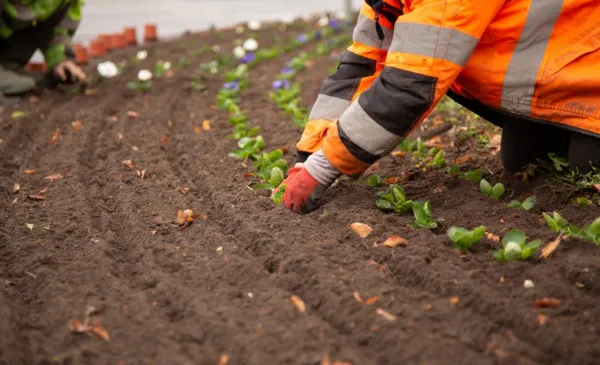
[{"x": 20, "y": 14}]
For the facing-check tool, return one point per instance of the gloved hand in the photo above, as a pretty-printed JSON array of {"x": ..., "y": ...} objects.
[
  {"x": 303, "y": 193},
  {"x": 68, "y": 72}
]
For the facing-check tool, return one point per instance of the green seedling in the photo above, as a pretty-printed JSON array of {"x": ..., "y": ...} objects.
[
  {"x": 183, "y": 61},
  {"x": 463, "y": 239},
  {"x": 267, "y": 162},
  {"x": 560, "y": 163},
  {"x": 249, "y": 148},
  {"x": 139, "y": 86},
  {"x": 583, "y": 202},
  {"x": 375, "y": 181},
  {"x": 438, "y": 160},
  {"x": 197, "y": 85},
  {"x": 515, "y": 247},
  {"x": 560, "y": 225},
  {"x": 528, "y": 204},
  {"x": 423, "y": 217},
  {"x": 278, "y": 196},
  {"x": 394, "y": 200},
  {"x": 592, "y": 232},
  {"x": 494, "y": 192},
  {"x": 475, "y": 176}
]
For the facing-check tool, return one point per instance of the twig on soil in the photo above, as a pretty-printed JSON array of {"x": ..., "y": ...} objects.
[{"x": 31, "y": 274}]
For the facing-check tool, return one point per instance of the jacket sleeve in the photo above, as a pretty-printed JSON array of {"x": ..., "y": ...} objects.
[
  {"x": 431, "y": 45},
  {"x": 60, "y": 47},
  {"x": 359, "y": 66}
]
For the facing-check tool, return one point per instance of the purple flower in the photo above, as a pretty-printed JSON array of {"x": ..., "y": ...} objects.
[
  {"x": 318, "y": 35},
  {"x": 302, "y": 38},
  {"x": 334, "y": 23},
  {"x": 248, "y": 58},
  {"x": 281, "y": 84},
  {"x": 233, "y": 85},
  {"x": 287, "y": 70}
]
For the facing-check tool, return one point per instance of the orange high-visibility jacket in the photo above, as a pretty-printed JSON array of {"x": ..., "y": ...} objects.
[{"x": 537, "y": 59}]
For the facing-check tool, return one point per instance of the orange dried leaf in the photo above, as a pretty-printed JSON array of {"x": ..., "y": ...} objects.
[
  {"x": 394, "y": 180},
  {"x": 399, "y": 154},
  {"x": 170, "y": 123},
  {"x": 547, "y": 303},
  {"x": 100, "y": 331},
  {"x": 183, "y": 190},
  {"x": 165, "y": 139},
  {"x": 371, "y": 300},
  {"x": 77, "y": 327},
  {"x": 454, "y": 300},
  {"x": 113, "y": 118},
  {"x": 55, "y": 136},
  {"x": 386, "y": 315},
  {"x": 30, "y": 172},
  {"x": 395, "y": 241},
  {"x": 492, "y": 237},
  {"x": 464, "y": 159},
  {"x": 44, "y": 191},
  {"x": 197, "y": 130},
  {"x": 77, "y": 125},
  {"x": 180, "y": 217},
  {"x": 361, "y": 229},
  {"x": 550, "y": 248},
  {"x": 206, "y": 125},
  {"x": 326, "y": 360},
  {"x": 542, "y": 319},
  {"x": 132, "y": 114},
  {"x": 189, "y": 215},
  {"x": 223, "y": 360},
  {"x": 128, "y": 163},
  {"x": 35, "y": 197},
  {"x": 299, "y": 303},
  {"x": 213, "y": 107},
  {"x": 16, "y": 188},
  {"x": 54, "y": 177},
  {"x": 357, "y": 297}
]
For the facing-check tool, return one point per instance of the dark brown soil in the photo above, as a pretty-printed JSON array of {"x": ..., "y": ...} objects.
[{"x": 222, "y": 284}]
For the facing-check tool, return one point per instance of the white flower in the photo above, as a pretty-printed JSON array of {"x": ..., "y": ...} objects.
[
  {"x": 167, "y": 65},
  {"x": 287, "y": 19},
  {"x": 239, "y": 29},
  {"x": 108, "y": 69},
  {"x": 323, "y": 21},
  {"x": 254, "y": 25},
  {"x": 216, "y": 48},
  {"x": 341, "y": 15},
  {"x": 142, "y": 55},
  {"x": 250, "y": 45},
  {"x": 144, "y": 75},
  {"x": 528, "y": 284},
  {"x": 239, "y": 52}
]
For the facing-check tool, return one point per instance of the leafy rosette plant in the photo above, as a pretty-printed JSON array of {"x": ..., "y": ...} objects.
[
  {"x": 516, "y": 247},
  {"x": 394, "y": 200},
  {"x": 463, "y": 239},
  {"x": 423, "y": 217},
  {"x": 249, "y": 148},
  {"x": 271, "y": 168},
  {"x": 528, "y": 204},
  {"x": 494, "y": 192}
]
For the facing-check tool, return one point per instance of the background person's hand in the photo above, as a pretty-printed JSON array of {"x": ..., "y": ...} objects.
[{"x": 68, "y": 72}]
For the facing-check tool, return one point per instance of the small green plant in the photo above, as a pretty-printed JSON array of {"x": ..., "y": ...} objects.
[
  {"x": 560, "y": 163},
  {"x": 139, "y": 86},
  {"x": 560, "y": 225},
  {"x": 438, "y": 159},
  {"x": 249, "y": 148},
  {"x": 515, "y": 247},
  {"x": 463, "y": 239},
  {"x": 267, "y": 162},
  {"x": 592, "y": 232},
  {"x": 423, "y": 217},
  {"x": 495, "y": 192},
  {"x": 278, "y": 196},
  {"x": 394, "y": 200},
  {"x": 528, "y": 204},
  {"x": 375, "y": 181},
  {"x": 583, "y": 202},
  {"x": 474, "y": 176}
]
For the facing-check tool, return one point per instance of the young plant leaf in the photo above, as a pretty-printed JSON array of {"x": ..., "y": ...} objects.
[
  {"x": 485, "y": 187},
  {"x": 464, "y": 239},
  {"x": 375, "y": 181},
  {"x": 278, "y": 196},
  {"x": 529, "y": 203},
  {"x": 498, "y": 191}
]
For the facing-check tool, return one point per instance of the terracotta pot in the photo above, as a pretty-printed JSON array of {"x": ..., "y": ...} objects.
[
  {"x": 81, "y": 54},
  {"x": 106, "y": 39},
  {"x": 130, "y": 36},
  {"x": 36, "y": 66},
  {"x": 97, "y": 48},
  {"x": 117, "y": 41},
  {"x": 150, "y": 33}
]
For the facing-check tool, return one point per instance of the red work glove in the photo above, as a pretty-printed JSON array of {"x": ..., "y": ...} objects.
[{"x": 303, "y": 193}]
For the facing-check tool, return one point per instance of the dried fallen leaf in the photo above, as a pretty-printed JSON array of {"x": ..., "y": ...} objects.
[
  {"x": 399, "y": 154},
  {"x": 35, "y": 197},
  {"x": 30, "y": 172},
  {"x": 464, "y": 159},
  {"x": 454, "y": 300},
  {"x": 120, "y": 136},
  {"x": 128, "y": 163},
  {"x": 77, "y": 327},
  {"x": 387, "y": 316},
  {"x": 16, "y": 188},
  {"x": 394, "y": 241},
  {"x": 361, "y": 229},
  {"x": 140, "y": 173},
  {"x": 55, "y": 136},
  {"x": 213, "y": 107},
  {"x": 183, "y": 190},
  {"x": 492, "y": 237},
  {"x": 30, "y": 226},
  {"x": 88, "y": 92},
  {"x": 54, "y": 177},
  {"x": 180, "y": 217},
  {"x": 206, "y": 125},
  {"x": 197, "y": 130},
  {"x": 165, "y": 139},
  {"x": 44, "y": 190},
  {"x": 550, "y": 248},
  {"x": 132, "y": 114},
  {"x": 357, "y": 297},
  {"x": 394, "y": 180},
  {"x": 223, "y": 360},
  {"x": 542, "y": 319},
  {"x": 299, "y": 303},
  {"x": 371, "y": 300},
  {"x": 77, "y": 125},
  {"x": 100, "y": 331},
  {"x": 547, "y": 303},
  {"x": 112, "y": 118},
  {"x": 170, "y": 123},
  {"x": 34, "y": 99}
]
